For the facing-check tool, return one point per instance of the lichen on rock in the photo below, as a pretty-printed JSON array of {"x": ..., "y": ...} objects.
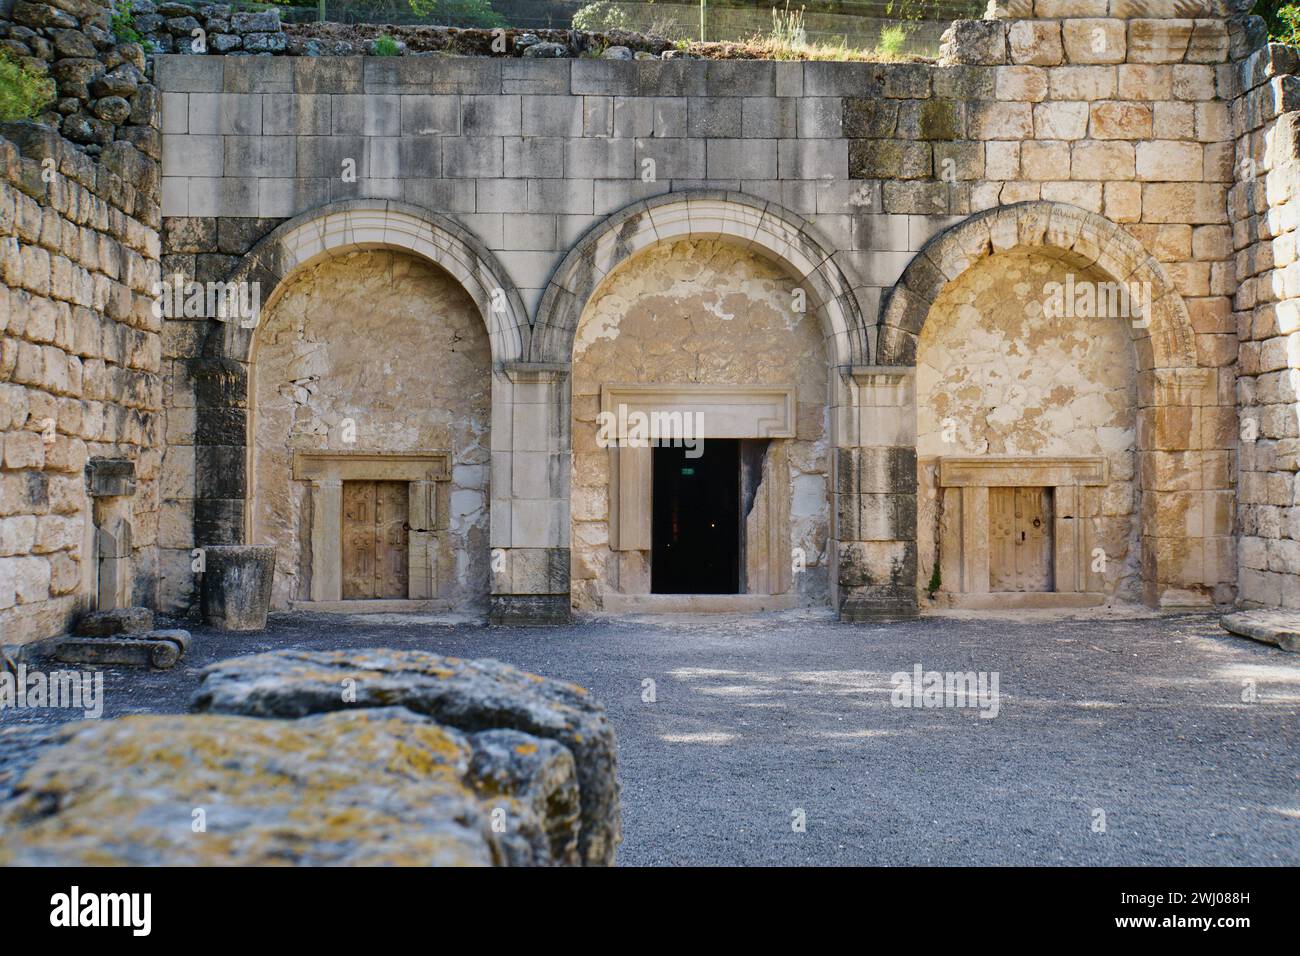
[{"x": 472, "y": 696}]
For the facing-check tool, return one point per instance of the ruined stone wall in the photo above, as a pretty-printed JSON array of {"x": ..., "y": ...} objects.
[
  {"x": 1264, "y": 201},
  {"x": 79, "y": 341},
  {"x": 995, "y": 375},
  {"x": 372, "y": 351},
  {"x": 697, "y": 312}
]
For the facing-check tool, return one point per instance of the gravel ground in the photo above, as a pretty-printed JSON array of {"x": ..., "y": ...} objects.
[{"x": 756, "y": 718}]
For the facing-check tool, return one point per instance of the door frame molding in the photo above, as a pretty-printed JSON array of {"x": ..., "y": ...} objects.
[
  {"x": 727, "y": 411},
  {"x": 964, "y": 550},
  {"x": 428, "y": 475}
]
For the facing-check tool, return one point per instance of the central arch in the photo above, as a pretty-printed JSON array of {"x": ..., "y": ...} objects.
[
  {"x": 764, "y": 409},
  {"x": 764, "y": 228}
]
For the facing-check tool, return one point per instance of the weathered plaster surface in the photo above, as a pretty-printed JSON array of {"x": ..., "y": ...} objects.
[
  {"x": 997, "y": 376},
  {"x": 396, "y": 346},
  {"x": 697, "y": 311}
]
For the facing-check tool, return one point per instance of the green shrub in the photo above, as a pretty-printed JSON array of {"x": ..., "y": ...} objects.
[
  {"x": 24, "y": 93},
  {"x": 123, "y": 23},
  {"x": 601, "y": 16},
  {"x": 1286, "y": 26},
  {"x": 458, "y": 13},
  {"x": 892, "y": 39},
  {"x": 386, "y": 46}
]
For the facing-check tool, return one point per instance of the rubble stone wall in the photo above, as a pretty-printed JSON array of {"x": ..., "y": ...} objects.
[{"x": 80, "y": 345}]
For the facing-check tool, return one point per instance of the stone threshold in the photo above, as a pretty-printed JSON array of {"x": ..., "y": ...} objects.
[
  {"x": 1281, "y": 628},
  {"x": 378, "y": 606},
  {"x": 697, "y": 603},
  {"x": 1018, "y": 601}
]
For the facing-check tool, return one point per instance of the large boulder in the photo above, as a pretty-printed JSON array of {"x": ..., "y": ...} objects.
[
  {"x": 472, "y": 696},
  {"x": 367, "y": 787}
]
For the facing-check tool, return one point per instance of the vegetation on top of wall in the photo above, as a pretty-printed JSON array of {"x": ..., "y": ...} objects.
[
  {"x": 1287, "y": 29},
  {"x": 122, "y": 23},
  {"x": 601, "y": 16},
  {"x": 459, "y": 13},
  {"x": 24, "y": 93},
  {"x": 1283, "y": 19}
]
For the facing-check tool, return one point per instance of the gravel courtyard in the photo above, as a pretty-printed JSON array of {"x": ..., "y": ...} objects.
[{"x": 756, "y": 718}]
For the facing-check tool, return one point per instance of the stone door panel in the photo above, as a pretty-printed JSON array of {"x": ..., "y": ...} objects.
[
  {"x": 375, "y": 526},
  {"x": 1020, "y": 539}
]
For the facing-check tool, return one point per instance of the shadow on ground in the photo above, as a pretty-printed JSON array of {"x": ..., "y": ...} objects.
[{"x": 1147, "y": 721}]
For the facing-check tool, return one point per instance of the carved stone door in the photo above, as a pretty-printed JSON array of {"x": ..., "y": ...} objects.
[
  {"x": 1020, "y": 539},
  {"x": 375, "y": 517}
]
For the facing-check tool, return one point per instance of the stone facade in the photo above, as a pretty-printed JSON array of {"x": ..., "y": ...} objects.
[{"x": 588, "y": 208}]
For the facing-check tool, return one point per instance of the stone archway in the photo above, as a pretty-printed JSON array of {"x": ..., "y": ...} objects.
[
  {"x": 763, "y": 227},
  {"x": 785, "y": 247},
  {"x": 1186, "y": 511},
  {"x": 222, "y": 377}
]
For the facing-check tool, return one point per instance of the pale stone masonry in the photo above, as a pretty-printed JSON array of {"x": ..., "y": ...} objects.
[
  {"x": 1267, "y": 315},
  {"x": 582, "y": 204}
]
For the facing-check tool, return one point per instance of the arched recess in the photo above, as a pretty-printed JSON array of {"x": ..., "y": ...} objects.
[
  {"x": 1185, "y": 497},
  {"x": 354, "y": 224},
  {"x": 222, "y": 378},
  {"x": 762, "y": 227},
  {"x": 1164, "y": 341},
  {"x": 790, "y": 460}
]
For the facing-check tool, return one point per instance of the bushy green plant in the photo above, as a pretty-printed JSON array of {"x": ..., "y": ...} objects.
[
  {"x": 122, "y": 23},
  {"x": 600, "y": 17},
  {"x": 1286, "y": 28},
  {"x": 892, "y": 39},
  {"x": 458, "y": 13},
  {"x": 24, "y": 93},
  {"x": 386, "y": 46}
]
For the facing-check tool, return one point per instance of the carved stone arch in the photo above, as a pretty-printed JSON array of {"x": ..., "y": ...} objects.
[
  {"x": 1164, "y": 341},
  {"x": 765, "y": 228},
  {"x": 221, "y": 378},
  {"x": 1180, "y": 471},
  {"x": 351, "y": 225}
]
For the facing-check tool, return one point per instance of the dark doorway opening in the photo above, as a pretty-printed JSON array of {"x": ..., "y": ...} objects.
[{"x": 695, "y": 534}]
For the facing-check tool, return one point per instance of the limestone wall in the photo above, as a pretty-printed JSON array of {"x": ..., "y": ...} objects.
[
  {"x": 80, "y": 350},
  {"x": 1102, "y": 132},
  {"x": 995, "y": 375},
  {"x": 1263, "y": 204},
  {"x": 372, "y": 351},
  {"x": 697, "y": 312}
]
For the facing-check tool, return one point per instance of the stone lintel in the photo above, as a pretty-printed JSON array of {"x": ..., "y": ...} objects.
[
  {"x": 1021, "y": 472},
  {"x": 110, "y": 477}
]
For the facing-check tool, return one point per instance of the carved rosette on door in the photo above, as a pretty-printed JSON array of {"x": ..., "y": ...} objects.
[
  {"x": 374, "y": 539},
  {"x": 1020, "y": 539}
]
